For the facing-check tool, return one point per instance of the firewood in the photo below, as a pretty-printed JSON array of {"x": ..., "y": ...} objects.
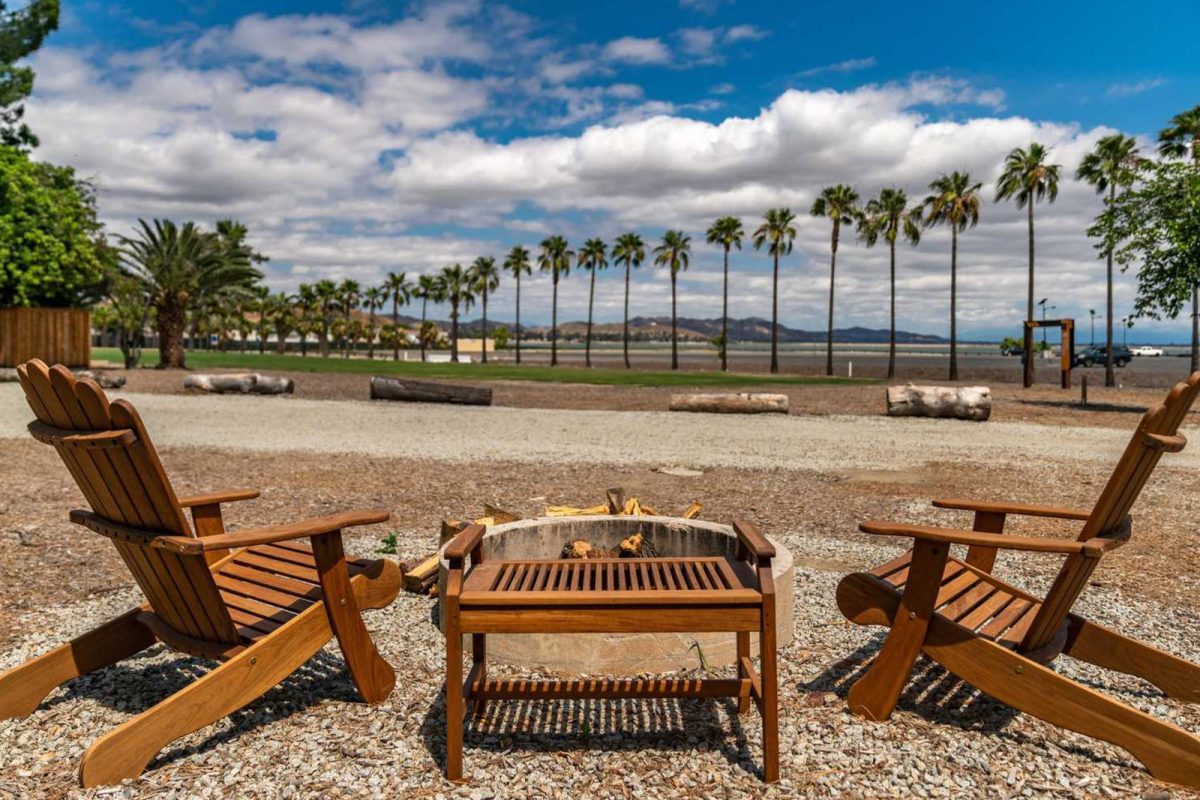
[
  {"x": 577, "y": 548},
  {"x": 616, "y": 500},
  {"x": 632, "y": 508},
  {"x": 692, "y": 511},
  {"x": 572, "y": 511},
  {"x": 486, "y": 522},
  {"x": 500, "y": 515},
  {"x": 419, "y": 577},
  {"x": 637, "y": 546},
  {"x": 450, "y": 529}
]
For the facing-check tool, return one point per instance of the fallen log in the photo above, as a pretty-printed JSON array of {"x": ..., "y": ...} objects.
[
  {"x": 954, "y": 402},
  {"x": 102, "y": 379},
  {"x": 731, "y": 403},
  {"x": 239, "y": 383},
  {"x": 408, "y": 390}
]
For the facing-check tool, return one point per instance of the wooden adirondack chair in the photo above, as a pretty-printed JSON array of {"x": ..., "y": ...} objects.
[
  {"x": 259, "y": 601},
  {"x": 1000, "y": 639}
]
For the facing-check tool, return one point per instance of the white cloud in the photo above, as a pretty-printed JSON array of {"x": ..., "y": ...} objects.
[
  {"x": 1131, "y": 88},
  {"x": 698, "y": 41},
  {"x": 723, "y": 88},
  {"x": 635, "y": 50},
  {"x": 745, "y": 33},
  {"x": 849, "y": 65}
]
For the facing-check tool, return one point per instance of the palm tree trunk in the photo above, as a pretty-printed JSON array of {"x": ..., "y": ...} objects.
[
  {"x": 171, "y": 322},
  {"x": 587, "y": 348},
  {"x": 554, "y": 324},
  {"x": 371, "y": 334},
  {"x": 953, "y": 302},
  {"x": 518, "y": 331},
  {"x": 483, "y": 355},
  {"x": 1195, "y": 327},
  {"x": 1110, "y": 376},
  {"x": 775, "y": 317},
  {"x": 625, "y": 336},
  {"x": 454, "y": 330},
  {"x": 725, "y": 314},
  {"x": 891, "y": 373},
  {"x": 1029, "y": 299},
  {"x": 674, "y": 336},
  {"x": 421, "y": 333},
  {"x": 395, "y": 328},
  {"x": 832, "y": 273}
]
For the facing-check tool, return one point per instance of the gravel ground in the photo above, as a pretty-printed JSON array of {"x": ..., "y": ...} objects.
[{"x": 309, "y": 738}]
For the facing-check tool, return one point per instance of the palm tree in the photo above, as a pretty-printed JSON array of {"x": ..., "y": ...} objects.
[
  {"x": 264, "y": 305},
  {"x": 283, "y": 319},
  {"x": 555, "y": 258},
  {"x": 485, "y": 277},
  {"x": 457, "y": 287},
  {"x": 955, "y": 202},
  {"x": 1111, "y": 164},
  {"x": 890, "y": 215},
  {"x": 517, "y": 264},
  {"x": 399, "y": 289},
  {"x": 180, "y": 268},
  {"x": 373, "y": 299},
  {"x": 673, "y": 253},
  {"x": 307, "y": 303},
  {"x": 327, "y": 299},
  {"x": 839, "y": 204},
  {"x": 349, "y": 295},
  {"x": 1027, "y": 179},
  {"x": 632, "y": 250},
  {"x": 592, "y": 258},
  {"x": 777, "y": 231},
  {"x": 429, "y": 287},
  {"x": 727, "y": 232},
  {"x": 1182, "y": 137}
]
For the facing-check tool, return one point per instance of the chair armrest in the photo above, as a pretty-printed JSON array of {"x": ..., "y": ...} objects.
[
  {"x": 1093, "y": 548},
  {"x": 753, "y": 540},
  {"x": 216, "y": 498},
  {"x": 1023, "y": 509},
  {"x": 461, "y": 545}
]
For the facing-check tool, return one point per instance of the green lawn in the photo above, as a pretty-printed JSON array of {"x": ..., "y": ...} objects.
[{"x": 498, "y": 372}]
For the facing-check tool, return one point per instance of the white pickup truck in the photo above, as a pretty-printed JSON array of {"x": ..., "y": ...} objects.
[{"x": 1147, "y": 350}]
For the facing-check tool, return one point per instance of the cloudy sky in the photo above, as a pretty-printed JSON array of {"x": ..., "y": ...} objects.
[{"x": 356, "y": 137}]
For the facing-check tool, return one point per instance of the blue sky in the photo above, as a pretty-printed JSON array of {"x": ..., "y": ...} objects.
[{"x": 360, "y": 137}]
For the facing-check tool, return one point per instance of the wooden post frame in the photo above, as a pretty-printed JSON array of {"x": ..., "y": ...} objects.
[{"x": 1067, "y": 358}]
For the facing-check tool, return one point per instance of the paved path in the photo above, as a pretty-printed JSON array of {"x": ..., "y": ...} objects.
[{"x": 530, "y": 435}]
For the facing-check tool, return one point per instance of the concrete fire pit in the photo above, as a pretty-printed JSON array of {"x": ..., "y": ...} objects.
[{"x": 624, "y": 654}]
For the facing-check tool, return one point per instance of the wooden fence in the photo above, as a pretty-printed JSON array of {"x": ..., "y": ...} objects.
[{"x": 55, "y": 335}]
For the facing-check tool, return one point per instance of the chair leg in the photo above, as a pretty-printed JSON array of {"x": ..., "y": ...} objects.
[
  {"x": 875, "y": 694},
  {"x": 1168, "y": 752},
  {"x": 1177, "y": 678},
  {"x": 479, "y": 660},
  {"x": 743, "y": 651},
  {"x": 23, "y": 688},
  {"x": 126, "y": 750},
  {"x": 454, "y": 702},
  {"x": 769, "y": 707}
]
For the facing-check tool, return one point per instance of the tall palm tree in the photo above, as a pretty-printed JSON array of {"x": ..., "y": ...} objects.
[
  {"x": 1111, "y": 165},
  {"x": 1027, "y": 179},
  {"x": 632, "y": 250},
  {"x": 180, "y": 268},
  {"x": 458, "y": 288},
  {"x": 327, "y": 300},
  {"x": 517, "y": 264},
  {"x": 264, "y": 306},
  {"x": 307, "y": 303},
  {"x": 555, "y": 258},
  {"x": 777, "y": 231},
  {"x": 399, "y": 289},
  {"x": 891, "y": 216},
  {"x": 485, "y": 278},
  {"x": 840, "y": 205},
  {"x": 727, "y": 232},
  {"x": 349, "y": 295},
  {"x": 673, "y": 254},
  {"x": 283, "y": 319},
  {"x": 373, "y": 298},
  {"x": 955, "y": 202},
  {"x": 592, "y": 257},
  {"x": 1181, "y": 138},
  {"x": 429, "y": 287}
]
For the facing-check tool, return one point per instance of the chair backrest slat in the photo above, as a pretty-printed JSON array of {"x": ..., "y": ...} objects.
[
  {"x": 1109, "y": 515},
  {"x": 125, "y": 483}
]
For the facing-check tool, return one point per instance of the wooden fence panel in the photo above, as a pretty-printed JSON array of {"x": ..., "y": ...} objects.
[{"x": 55, "y": 335}]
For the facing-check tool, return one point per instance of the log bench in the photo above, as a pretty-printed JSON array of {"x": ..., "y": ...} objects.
[{"x": 609, "y": 595}]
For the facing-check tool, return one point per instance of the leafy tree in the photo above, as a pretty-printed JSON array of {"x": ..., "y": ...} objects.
[
  {"x": 839, "y": 204},
  {"x": 373, "y": 299},
  {"x": 182, "y": 267},
  {"x": 127, "y": 312},
  {"x": 485, "y": 279},
  {"x": 430, "y": 337},
  {"x": 52, "y": 249},
  {"x": 517, "y": 264},
  {"x": 1157, "y": 225},
  {"x": 673, "y": 254},
  {"x": 429, "y": 287},
  {"x": 777, "y": 231},
  {"x": 1181, "y": 139},
  {"x": 555, "y": 258},
  {"x": 955, "y": 202},
  {"x": 632, "y": 250},
  {"x": 307, "y": 304},
  {"x": 399, "y": 290},
  {"x": 459, "y": 289},
  {"x": 891, "y": 217},
  {"x": 1027, "y": 179},
  {"x": 727, "y": 232},
  {"x": 349, "y": 296},
  {"x": 500, "y": 337},
  {"x": 1111, "y": 166},
  {"x": 21, "y": 33},
  {"x": 592, "y": 258}
]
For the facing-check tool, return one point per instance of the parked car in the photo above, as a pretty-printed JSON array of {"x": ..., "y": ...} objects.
[
  {"x": 1090, "y": 356},
  {"x": 1148, "y": 351}
]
